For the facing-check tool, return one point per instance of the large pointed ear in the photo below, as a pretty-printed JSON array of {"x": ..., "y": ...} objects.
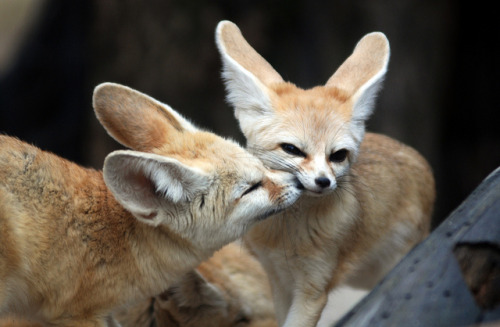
[
  {"x": 142, "y": 182},
  {"x": 246, "y": 74},
  {"x": 193, "y": 291},
  {"x": 361, "y": 75},
  {"x": 192, "y": 301},
  {"x": 134, "y": 119}
]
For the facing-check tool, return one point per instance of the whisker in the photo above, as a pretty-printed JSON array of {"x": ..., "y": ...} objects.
[{"x": 273, "y": 160}]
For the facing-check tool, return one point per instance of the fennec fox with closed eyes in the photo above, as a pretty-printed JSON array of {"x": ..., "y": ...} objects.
[
  {"x": 368, "y": 199},
  {"x": 77, "y": 243}
]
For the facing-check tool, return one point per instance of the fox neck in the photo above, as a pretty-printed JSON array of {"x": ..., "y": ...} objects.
[
  {"x": 158, "y": 255},
  {"x": 162, "y": 257},
  {"x": 309, "y": 222}
]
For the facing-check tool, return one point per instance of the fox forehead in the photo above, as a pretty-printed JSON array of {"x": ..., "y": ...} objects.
[
  {"x": 316, "y": 120},
  {"x": 288, "y": 97},
  {"x": 210, "y": 153}
]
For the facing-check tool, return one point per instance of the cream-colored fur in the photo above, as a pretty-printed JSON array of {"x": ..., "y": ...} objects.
[
  {"x": 77, "y": 243},
  {"x": 228, "y": 290},
  {"x": 367, "y": 200}
]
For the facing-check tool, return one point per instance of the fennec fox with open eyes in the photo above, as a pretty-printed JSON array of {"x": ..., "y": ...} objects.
[
  {"x": 367, "y": 200},
  {"x": 77, "y": 243}
]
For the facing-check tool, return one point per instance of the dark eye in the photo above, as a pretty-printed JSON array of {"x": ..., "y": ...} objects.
[
  {"x": 292, "y": 149},
  {"x": 252, "y": 188},
  {"x": 339, "y": 156}
]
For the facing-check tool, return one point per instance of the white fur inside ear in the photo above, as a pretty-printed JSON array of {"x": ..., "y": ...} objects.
[
  {"x": 244, "y": 90},
  {"x": 364, "y": 104},
  {"x": 364, "y": 98},
  {"x": 362, "y": 73},
  {"x": 194, "y": 291},
  {"x": 141, "y": 182}
]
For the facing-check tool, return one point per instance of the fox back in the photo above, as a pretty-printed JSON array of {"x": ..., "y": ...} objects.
[
  {"x": 367, "y": 199},
  {"x": 76, "y": 243}
]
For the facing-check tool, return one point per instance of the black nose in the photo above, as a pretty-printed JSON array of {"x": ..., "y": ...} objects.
[{"x": 322, "y": 182}]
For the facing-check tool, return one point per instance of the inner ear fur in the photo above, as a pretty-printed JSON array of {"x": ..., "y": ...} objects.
[
  {"x": 247, "y": 77},
  {"x": 232, "y": 44},
  {"x": 193, "y": 291},
  {"x": 368, "y": 60},
  {"x": 134, "y": 119},
  {"x": 141, "y": 182},
  {"x": 362, "y": 73},
  {"x": 250, "y": 79}
]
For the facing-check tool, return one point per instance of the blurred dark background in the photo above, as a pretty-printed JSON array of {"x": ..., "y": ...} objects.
[{"x": 439, "y": 93}]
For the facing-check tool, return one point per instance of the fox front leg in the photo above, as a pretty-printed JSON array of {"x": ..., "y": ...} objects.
[
  {"x": 112, "y": 322},
  {"x": 306, "y": 308}
]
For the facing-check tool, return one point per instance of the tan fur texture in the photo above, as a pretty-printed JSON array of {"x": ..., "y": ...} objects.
[
  {"x": 17, "y": 322},
  {"x": 231, "y": 290},
  {"x": 368, "y": 199},
  {"x": 77, "y": 243}
]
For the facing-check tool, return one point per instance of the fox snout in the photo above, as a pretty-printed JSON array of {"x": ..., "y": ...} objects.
[
  {"x": 317, "y": 178},
  {"x": 318, "y": 186},
  {"x": 282, "y": 193},
  {"x": 284, "y": 188}
]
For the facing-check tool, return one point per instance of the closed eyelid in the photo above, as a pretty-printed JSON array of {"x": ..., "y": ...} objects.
[
  {"x": 252, "y": 188},
  {"x": 292, "y": 149}
]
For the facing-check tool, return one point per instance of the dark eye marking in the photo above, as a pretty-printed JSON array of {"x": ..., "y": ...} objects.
[
  {"x": 292, "y": 149},
  {"x": 252, "y": 188},
  {"x": 339, "y": 156}
]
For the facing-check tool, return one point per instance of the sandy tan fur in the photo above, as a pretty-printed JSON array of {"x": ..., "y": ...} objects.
[
  {"x": 231, "y": 290},
  {"x": 37, "y": 188},
  {"x": 18, "y": 322},
  {"x": 378, "y": 199},
  {"x": 78, "y": 243}
]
